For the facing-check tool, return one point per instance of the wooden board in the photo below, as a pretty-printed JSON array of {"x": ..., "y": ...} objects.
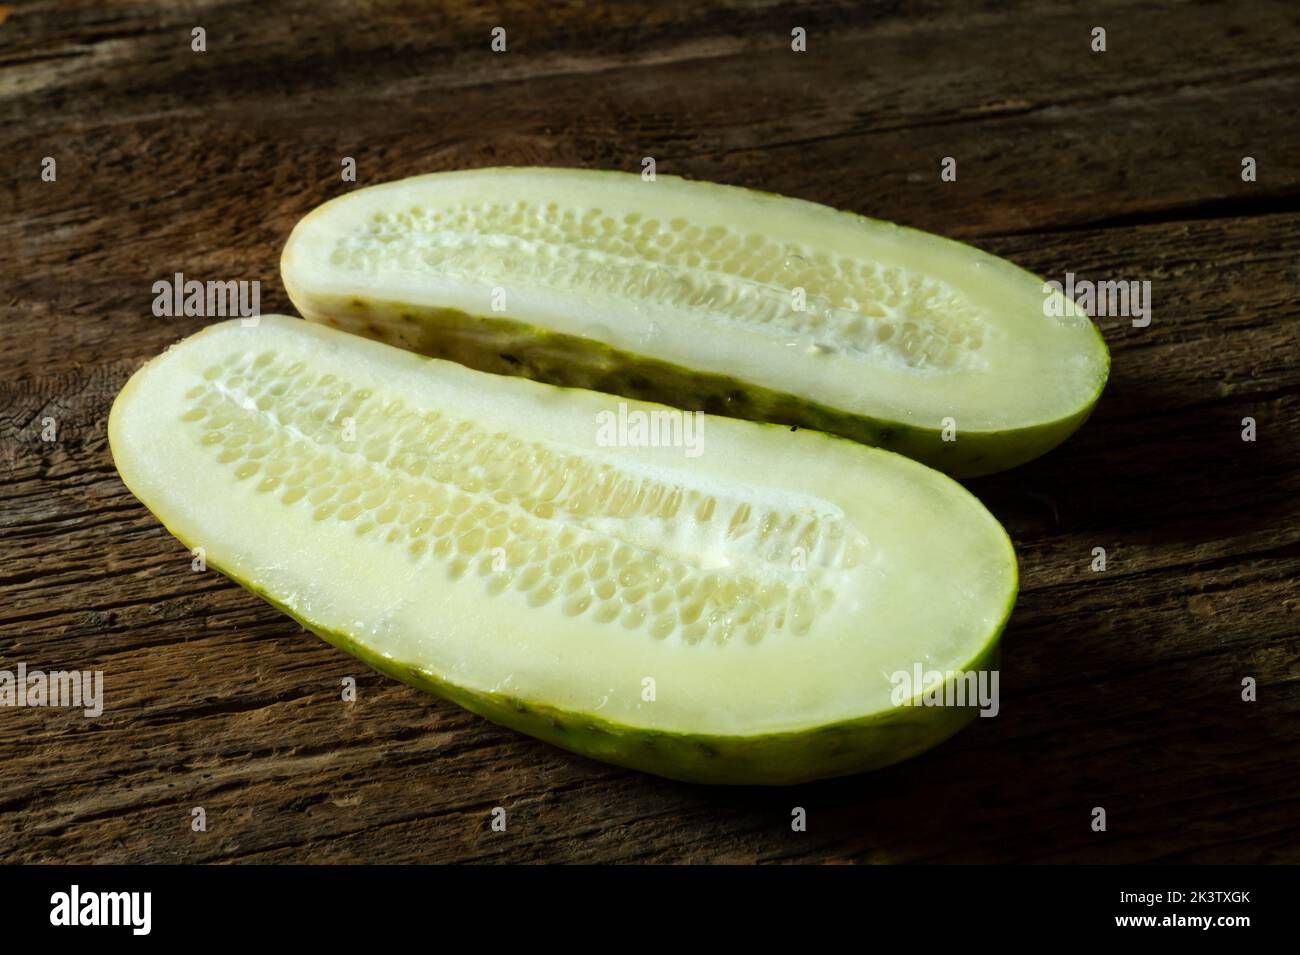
[{"x": 1120, "y": 689}]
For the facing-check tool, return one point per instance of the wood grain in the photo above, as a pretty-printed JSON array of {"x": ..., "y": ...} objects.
[{"x": 1120, "y": 689}]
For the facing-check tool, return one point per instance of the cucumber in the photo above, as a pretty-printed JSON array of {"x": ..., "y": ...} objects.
[
  {"x": 732, "y": 612},
  {"x": 709, "y": 297}
]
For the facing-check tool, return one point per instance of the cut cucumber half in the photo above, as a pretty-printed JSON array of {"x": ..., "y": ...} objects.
[
  {"x": 709, "y": 297},
  {"x": 734, "y": 609}
]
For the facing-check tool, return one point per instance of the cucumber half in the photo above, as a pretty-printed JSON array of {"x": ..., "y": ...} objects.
[
  {"x": 708, "y": 297},
  {"x": 732, "y": 611}
]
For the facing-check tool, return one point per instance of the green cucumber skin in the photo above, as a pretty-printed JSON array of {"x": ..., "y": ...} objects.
[{"x": 505, "y": 346}]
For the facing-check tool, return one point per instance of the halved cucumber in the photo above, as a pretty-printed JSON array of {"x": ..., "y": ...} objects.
[
  {"x": 731, "y": 610},
  {"x": 710, "y": 297}
]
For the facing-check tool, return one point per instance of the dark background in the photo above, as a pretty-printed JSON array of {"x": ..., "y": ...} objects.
[{"x": 1120, "y": 689}]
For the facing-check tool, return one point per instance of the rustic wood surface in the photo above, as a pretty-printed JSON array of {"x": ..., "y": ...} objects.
[{"x": 1120, "y": 689}]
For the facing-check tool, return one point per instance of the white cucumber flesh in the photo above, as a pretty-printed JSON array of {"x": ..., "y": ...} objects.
[
  {"x": 709, "y": 297},
  {"x": 732, "y": 608}
]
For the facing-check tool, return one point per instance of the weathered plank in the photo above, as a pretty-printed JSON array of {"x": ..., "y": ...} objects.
[{"x": 1119, "y": 688}]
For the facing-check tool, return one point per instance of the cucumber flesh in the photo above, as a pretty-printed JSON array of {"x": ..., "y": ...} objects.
[
  {"x": 472, "y": 535},
  {"x": 709, "y": 297}
]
